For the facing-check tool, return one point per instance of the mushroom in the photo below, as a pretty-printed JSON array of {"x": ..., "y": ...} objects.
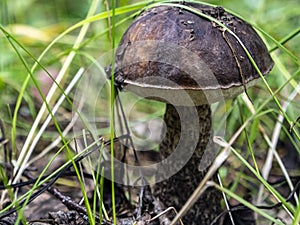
[{"x": 174, "y": 55}]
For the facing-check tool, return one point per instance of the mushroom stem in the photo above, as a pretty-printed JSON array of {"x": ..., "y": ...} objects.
[{"x": 176, "y": 190}]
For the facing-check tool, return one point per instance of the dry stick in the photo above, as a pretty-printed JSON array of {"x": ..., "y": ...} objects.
[
  {"x": 66, "y": 200},
  {"x": 164, "y": 212},
  {"x": 219, "y": 160}
]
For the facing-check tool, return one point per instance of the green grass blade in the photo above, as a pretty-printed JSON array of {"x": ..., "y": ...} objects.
[
  {"x": 112, "y": 119},
  {"x": 248, "y": 204}
]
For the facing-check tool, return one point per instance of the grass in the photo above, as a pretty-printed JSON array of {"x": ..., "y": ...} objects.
[{"x": 62, "y": 37}]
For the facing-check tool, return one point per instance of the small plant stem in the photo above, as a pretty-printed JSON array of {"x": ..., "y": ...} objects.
[{"x": 112, "y": 103}]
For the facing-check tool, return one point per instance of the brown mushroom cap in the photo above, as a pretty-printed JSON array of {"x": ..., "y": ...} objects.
[{"x": 168, "y": 48}]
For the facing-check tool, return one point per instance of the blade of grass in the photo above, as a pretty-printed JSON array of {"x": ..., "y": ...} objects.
[
  {"x": 41, "y": 181},
  {"x": 272, "y": 150},
  {"x": 226, "y": 201},
  {"x": 25, "y": 153},
  {"x": 99, "y": 179},
  {"x": 20, "y": 213},
  {"x": 85, "y": 24},
  {"x": 249, "y": 142},
  {"x": 287, "y": 38},
  {"x": 296, "y": 220},
  {"x": 289, "y": 208},
  {"x": 246, "y": 203},
  {"x": 75, "y": 117},
  {"x": 37, "y": 183},
  {"x": 55, "y": 109},
  {"x": 22, "y": 91},
  {"x": 101, "y": 196},
  {"x": 112, "y": 23},
  {"x": 46, "y": 106},
  {"x": 284, "y": 71}
]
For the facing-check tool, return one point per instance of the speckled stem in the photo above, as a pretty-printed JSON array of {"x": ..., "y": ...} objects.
[{"x": 176, "y": 190}]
